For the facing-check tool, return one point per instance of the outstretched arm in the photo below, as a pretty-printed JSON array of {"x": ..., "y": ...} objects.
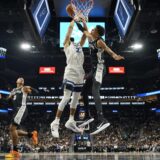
[
  {"x": 29, "y": 89},
  {"x": 68, "y": 35},
  {"x": 84, "y": 29},
  {"x": 102, "y": 45},
  {"x": 83, "y": 39}
]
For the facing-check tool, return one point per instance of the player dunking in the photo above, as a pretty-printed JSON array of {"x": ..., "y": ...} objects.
[
  {"x": 73, "y": 81},
  {"x": 19, "y": 98},
  {"x": 97, "y": 50}
]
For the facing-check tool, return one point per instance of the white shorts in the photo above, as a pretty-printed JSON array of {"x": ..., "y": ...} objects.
[{"x": 73, "y": 75}]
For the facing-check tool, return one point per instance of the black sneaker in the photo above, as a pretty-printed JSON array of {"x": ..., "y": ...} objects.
[
  {"x": 86, "y": 122},
  {"x": 100, "y": 128},
  {"x": 101, "y": 122}
]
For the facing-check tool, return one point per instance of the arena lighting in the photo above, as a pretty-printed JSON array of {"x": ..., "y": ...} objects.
[
  {"x": 4, "y": 92},
  {"x": 158, "y": 51},
  {"x": 137, "y": 46},
  {"x": 3, "y": 111},
  {"x": 48, "y": 111},
  {"x": 115, "y": 111},
  {"x": 158, "y": 111},
  {"x": 148, "y": 94},
  {"x": 153, "y": 109},
  {"x": 10, "y": 109},
  {"x": 112, "y": 88},
  {"x": 25, "y": 46}
]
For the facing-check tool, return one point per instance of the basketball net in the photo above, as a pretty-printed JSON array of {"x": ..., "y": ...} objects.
[{"x": 82, "y": 8}]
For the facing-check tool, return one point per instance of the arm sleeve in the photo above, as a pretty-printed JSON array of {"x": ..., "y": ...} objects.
[{"x": 80, "y": 27}]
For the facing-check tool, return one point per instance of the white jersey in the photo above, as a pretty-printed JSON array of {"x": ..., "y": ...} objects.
[{"x": 74, "y": 58}]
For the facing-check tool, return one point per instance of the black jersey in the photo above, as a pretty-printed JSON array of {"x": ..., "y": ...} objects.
[
  {"x": 19, "y": 98},
  {"x": 96, "y": 53}
]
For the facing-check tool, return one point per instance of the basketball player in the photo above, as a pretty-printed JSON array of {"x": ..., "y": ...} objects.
[
  {"x": 19, "y": 98},
  {"x": 94, "y": 79},
  {"x": 73, "y": 81}
]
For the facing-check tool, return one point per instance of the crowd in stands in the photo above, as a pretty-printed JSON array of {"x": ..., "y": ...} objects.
[{"x": 125, "y": 134}]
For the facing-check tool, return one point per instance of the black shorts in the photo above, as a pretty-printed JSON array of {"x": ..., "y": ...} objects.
[
  {"x": 91, "y": 75},
  {"x": 19, "y": 114}
]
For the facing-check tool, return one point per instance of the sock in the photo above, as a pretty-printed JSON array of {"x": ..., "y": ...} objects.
[
  {"x": 29, "y": 134},
  {"x": 57, "y": 119},
  {"x": 71, "y": 117},
  {"x": 15, "y": 148}
]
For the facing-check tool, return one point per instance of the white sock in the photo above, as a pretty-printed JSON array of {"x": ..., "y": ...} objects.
[
  {"x": 71, "y": 118},
  {"x": 57, "y": 120}
]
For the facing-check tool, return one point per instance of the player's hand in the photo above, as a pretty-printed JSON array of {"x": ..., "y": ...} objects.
[
  {"x": 118, "y": 57},
  {"x": 27, "y": 89}
]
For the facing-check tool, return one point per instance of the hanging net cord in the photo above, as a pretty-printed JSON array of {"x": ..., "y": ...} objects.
[{"x": 82, "y": 7}]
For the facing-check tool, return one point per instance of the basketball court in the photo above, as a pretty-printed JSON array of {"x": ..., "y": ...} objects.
[{"x": 88, "y": 156}]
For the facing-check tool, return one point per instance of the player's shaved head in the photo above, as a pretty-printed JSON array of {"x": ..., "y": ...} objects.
[{"x": 20, "y": 80}]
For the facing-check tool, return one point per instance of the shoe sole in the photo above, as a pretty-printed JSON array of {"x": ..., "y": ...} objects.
[
  {"x": 103, "y": 127},
  {"x": 86, "y": 123},
  {"x": 74, "y": 129},
  {"x": 100, "y": 125},
  {"x": 53, "y": 133}
]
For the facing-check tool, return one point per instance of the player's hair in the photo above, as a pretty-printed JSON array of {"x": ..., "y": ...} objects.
[
  {"x": 100, "y": 30},
  {"x": 22, "y": 80},
  {"x": 72, "y": 39}
]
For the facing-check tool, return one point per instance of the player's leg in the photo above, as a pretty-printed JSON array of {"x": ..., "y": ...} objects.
[
  {"x": 96, "y": 95},
  {"x": 85, "y": 92},
  {"x": 14, "y": 136},
  {"x": 62, "y": 104},
  {"x": 18, "y": 117},
  {"x": 71, "y": 124},
  {"x": 33, "y": 135},
  {"x": 101, "y": 122}
]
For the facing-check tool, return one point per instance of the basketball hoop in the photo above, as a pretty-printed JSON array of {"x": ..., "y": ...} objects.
[{"x": 82, "y": 8}]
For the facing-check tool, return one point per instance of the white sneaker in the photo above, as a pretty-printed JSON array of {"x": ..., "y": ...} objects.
[
  {"x": 54, "y": 129},
  {"x": 86, "y": 123},
  {"x": 103, "y": 127},
  {"x": 71, "y": 124}
]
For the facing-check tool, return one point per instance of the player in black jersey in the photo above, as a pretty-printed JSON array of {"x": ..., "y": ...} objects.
[
  {"x": 94, "y": 79},
  {"x": 19, "y": 98}
]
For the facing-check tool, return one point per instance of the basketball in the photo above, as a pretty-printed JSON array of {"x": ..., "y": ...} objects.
[{"x": 69, "y": 10}]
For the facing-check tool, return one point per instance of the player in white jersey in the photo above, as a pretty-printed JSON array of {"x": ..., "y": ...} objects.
[{"x": 73, "y": 81}]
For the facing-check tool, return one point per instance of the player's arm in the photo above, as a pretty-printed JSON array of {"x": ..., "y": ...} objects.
[
  {"x": 84, "y": 29},
  {"x": 85, "y": 33},
  {"x": 68, "y": 35},
  {"x": 103, "y": 45},
  {"x": 83, "y": 39},
  {"x": 11, "y": 95},
  {"x": 29, "y": 89}
]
